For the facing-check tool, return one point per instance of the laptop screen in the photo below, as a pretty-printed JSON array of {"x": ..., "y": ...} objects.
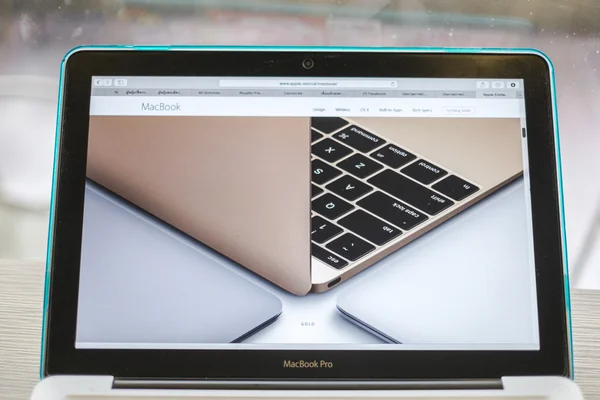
[{"x": 282, "y": 213}]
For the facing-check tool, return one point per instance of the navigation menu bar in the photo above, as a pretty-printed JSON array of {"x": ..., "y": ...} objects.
[
  {"x": 329, "y": 93},
  {"x": 301, "y": 106}
]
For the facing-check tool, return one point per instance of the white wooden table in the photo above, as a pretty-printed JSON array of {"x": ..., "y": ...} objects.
[{"x": 21, "y": 292}]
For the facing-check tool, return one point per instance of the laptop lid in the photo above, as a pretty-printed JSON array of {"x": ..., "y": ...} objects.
[
  {"x": 213, "y": 179},
  {"x": 402, "y": 128}
]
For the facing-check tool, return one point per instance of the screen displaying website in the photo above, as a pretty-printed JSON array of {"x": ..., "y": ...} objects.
[{"x": 307, "y": 213}]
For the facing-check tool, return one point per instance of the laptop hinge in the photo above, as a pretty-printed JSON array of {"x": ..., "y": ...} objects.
[{"x": 133, "y": 383}]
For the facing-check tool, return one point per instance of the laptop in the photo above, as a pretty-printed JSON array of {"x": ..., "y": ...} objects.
[
  {"x": 260, "y": 222},
  {"x": 377, "y": 185}
]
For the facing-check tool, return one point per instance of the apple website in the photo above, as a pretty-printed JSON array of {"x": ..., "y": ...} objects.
[{"x": 296, "y": 213}]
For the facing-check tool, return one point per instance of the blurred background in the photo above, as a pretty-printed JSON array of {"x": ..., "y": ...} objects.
[{"x": 35, "y": 34}]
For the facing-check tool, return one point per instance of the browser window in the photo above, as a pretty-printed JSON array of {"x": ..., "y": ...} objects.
[{"x": 304, "y": 213}]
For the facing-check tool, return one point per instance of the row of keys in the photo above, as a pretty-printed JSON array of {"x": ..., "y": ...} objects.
[
  {"x": 411, "y": 192},
  {"x": 362, "y": 140},
  {"x": 376, "y": 230},
  {"x": 349, "y": 246},
  {"x": 396, "y": 212},
  {"x": 361, "y": 166},
  {"x": 390, "y": 155},
  {"x": 393, "y": 183}
]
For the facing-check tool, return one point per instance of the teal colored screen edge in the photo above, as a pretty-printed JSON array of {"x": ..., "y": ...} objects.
[{"x": 477, "y": 50}]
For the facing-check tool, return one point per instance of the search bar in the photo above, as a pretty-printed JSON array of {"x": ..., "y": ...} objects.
[{"x": 307, "y": 83}]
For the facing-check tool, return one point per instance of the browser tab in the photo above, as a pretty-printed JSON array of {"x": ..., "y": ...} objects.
[
  {"x": 137, "y": 92},
  {"x": 456, "y": 94},
  {"x": 296, "y": 93},
  {"x": 254, "y": 93},
  {"x": 213, "y": 92},
  {"x": 332, "y": 93},
  {"x": 377, "y": 93},
  {"x": 490, "y": 94},
  {"x": 172, "y": 92},
  {"x": 416, "y": 94},
  {"x": 99, "y": 91}
]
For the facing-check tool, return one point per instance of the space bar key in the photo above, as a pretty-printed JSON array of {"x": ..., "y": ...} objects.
[{"x": 411, "y": 192}]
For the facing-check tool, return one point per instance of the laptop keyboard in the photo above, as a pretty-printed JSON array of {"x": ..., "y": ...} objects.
[{"x": 367, "y": 192}]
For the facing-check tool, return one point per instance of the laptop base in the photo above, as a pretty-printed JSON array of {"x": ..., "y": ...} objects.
[{"x": 104, "y": 387}]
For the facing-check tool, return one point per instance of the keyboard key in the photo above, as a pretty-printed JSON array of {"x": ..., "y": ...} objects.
[
  {"x": 330, "y": 150},
  {"x": 424, "y": 172},
  {"x": 359, "y": 138},
  {"x": 350, "y": 247},
  {"x": 328, "y": 124},
  {"x": 455, "y": 187},
  {"x": 349, "y": 188},
  {"x": 315, "y": 190},
  {"x": 323, "y": 230},
  {"x": 327, "y": 257},
  {"x": 322, "y": 172},
  {"x": 315, "y": 135},
  {"x": 392, "y": 210},
  {"x": 369, "y": 227},
  {"x": 393, "y": 156},
  {"x": 410, "y": 192},
  {"x": 330, "y": 206},
  {"x": 360, "y": 166}
]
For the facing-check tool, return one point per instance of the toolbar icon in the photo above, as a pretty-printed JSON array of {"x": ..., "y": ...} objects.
[{"x": 483, "y": 85}]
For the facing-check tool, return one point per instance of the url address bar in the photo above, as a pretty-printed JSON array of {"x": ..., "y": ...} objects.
[{"x": 307, "y": 83}]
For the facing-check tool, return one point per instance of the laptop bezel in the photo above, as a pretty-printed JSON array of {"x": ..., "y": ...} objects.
[{"x": 59, "y": 353}]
